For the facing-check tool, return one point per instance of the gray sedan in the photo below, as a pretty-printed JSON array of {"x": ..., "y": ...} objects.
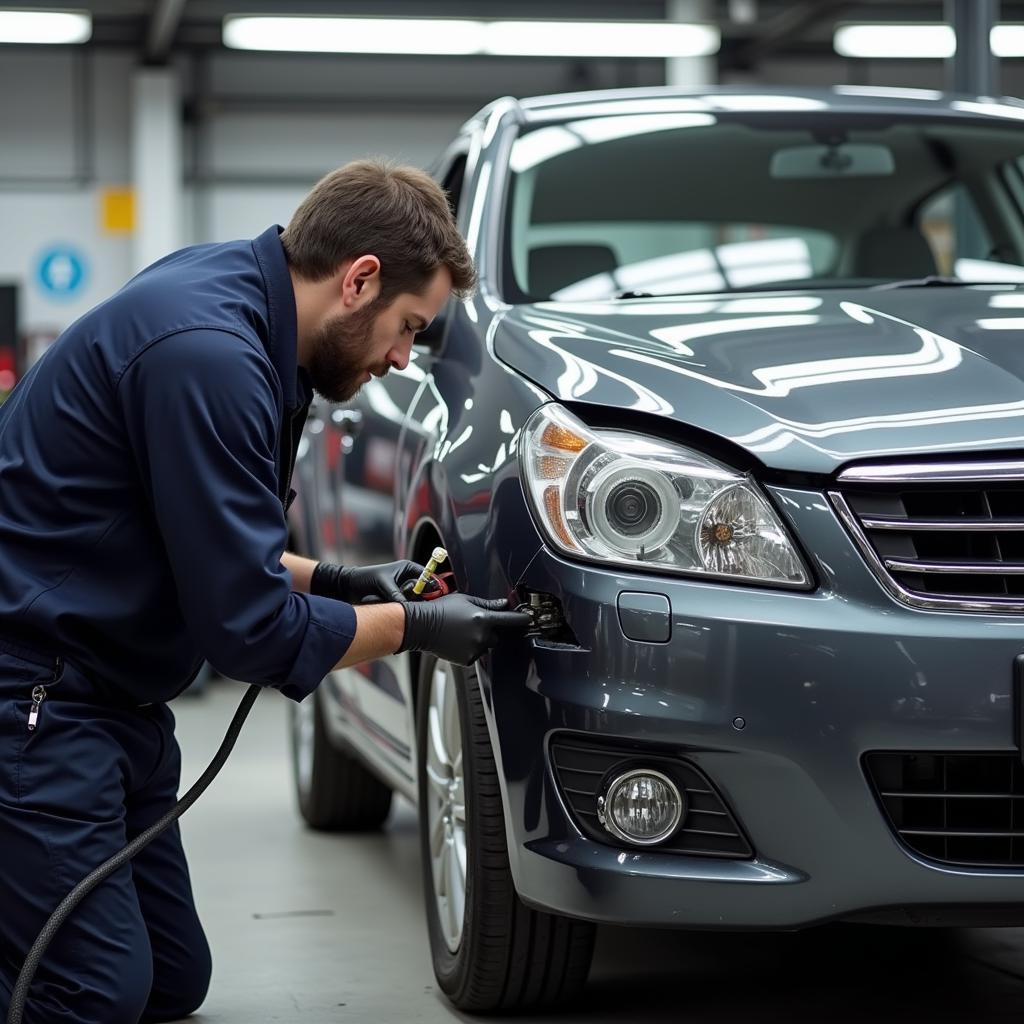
[{"x": 738, "y": 413}]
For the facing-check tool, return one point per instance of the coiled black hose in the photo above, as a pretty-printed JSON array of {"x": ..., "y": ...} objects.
[{"x": 108, "y": 867}]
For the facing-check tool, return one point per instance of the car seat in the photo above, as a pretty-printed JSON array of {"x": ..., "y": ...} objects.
[
  {"x": 893, "y": 252},
  {"x": 553, "y": 267}
]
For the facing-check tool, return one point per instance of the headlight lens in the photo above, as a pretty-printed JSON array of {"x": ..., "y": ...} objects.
[{"x": 624, "y": 498}]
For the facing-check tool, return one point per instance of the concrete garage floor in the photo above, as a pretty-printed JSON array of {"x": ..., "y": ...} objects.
[{"x": 324, "y": 928}]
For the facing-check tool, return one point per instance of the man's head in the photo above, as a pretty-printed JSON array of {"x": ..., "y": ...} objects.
[{"x": 374, "y": 254}]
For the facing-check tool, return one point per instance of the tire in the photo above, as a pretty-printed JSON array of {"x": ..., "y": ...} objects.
[
  {"x": 336, "y": 793},
  {"x": 501, "y": 955}
]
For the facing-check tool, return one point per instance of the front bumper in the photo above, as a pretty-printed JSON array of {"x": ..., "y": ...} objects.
[{"x": 818, "y": 679}]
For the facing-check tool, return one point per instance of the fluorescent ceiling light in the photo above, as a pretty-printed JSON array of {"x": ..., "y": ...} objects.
[
  {"x": 1007, "y": 40},
  {"x": 45, "y": 26},
  {"x": 782, "y": 304},
  {"x": 447, "y": 36},
  {"x": 541, "y": 145},
  {"x": 888, "y": 92},
  {"x": 987, "y": 271},
  {"x": 989, "y": 109},
  {"x": 1007, "y": 300},
  {"x": 620, "y": 107},
  {"x": 606, "y": 129},
  {"x": 913, "y": 41},
  {"x": 756, "y": 102},
  {"x": 920, "y": 40},
  {"x": 354, "y": 35},
  {"x": 545, "y": 143},
  {"x": 1012, "y": 323},
  {"x": 601, "y": 39}
]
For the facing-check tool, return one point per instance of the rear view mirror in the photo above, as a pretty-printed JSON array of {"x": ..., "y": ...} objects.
[{"x": 846, "y": 160}]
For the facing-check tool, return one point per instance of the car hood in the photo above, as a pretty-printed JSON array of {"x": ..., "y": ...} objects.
[{"x": 803, "y": 381}]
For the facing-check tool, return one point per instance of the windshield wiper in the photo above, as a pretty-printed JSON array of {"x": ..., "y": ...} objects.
[
  {"x": 791, "y": 286},
  {"x": 931, "y": 281}
]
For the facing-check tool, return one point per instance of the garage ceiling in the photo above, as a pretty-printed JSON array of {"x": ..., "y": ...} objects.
[{"x": 782, "y": 28}]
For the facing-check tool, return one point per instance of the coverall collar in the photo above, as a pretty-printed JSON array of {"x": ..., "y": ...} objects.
[{"x": 283, "y": 334}]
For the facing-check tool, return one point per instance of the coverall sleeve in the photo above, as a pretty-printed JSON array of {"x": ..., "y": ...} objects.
[{"x": 200, "y": 409}]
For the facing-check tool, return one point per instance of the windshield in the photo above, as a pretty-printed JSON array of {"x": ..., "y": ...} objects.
[{"x": 673, "y": 203}]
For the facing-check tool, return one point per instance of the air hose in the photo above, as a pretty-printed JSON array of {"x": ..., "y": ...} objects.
[
  {"x": 440, "y": 585},
  {"x": 108, "y": 867}
]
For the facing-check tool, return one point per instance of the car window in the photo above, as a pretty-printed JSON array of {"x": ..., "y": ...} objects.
[
  {"x": 690, "y": 202},
  {"x": 954, "y": 230},
  {"x": 452, "y": 183},
  {"x": 694, "y": 256}
]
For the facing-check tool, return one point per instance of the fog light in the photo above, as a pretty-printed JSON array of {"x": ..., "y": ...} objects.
[{"x": 641, "y": 806}]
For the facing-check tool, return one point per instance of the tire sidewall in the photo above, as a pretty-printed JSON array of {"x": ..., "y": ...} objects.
[
  {"x": 305, "y": 794},
  {"x": 450, "y": 968}
]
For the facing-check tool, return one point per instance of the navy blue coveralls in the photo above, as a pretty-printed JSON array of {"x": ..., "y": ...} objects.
[{"x": 145, "y": 463}]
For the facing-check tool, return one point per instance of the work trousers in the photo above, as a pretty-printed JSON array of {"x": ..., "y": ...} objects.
[{"x": 73, "y": 791}]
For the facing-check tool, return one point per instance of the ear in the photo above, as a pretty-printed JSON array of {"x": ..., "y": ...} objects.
[{"x": 360, "y": 282}]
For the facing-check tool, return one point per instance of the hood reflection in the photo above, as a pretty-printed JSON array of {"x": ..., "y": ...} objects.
[{"x": 804, "y": 381}]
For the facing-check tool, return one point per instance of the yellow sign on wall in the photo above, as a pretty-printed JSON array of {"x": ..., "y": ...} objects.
[{"x": 117, "y": 210}]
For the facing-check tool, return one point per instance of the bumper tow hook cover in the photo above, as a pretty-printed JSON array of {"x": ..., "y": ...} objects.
[{"x": 645, "y": 617}]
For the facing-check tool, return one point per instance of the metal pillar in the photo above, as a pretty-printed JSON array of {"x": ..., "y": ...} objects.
[
  {"x": 973, "y": 68},
  {"x": 690, "y": 72},
  {"x": 163, "y": 24},
  {"x": 157, "y": 168}
]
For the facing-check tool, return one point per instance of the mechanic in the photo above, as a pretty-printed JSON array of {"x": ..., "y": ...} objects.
[{"x": 145, "y": 463}]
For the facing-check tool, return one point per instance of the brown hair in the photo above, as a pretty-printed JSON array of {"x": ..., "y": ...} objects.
[{"x": 398, "y": 214}]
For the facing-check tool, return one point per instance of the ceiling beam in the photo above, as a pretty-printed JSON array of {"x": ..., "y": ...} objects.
[
  {"x": 163, "y": 25},
  {"x": 788, "y": 27}
]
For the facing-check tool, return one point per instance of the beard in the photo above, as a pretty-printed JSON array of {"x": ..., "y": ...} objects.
[{"x": 338, "y": 354}]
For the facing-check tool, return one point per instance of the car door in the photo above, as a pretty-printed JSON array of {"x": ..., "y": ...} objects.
[
  {"x": 365, "y": 481},
  {"x": 311, "y": 517}
]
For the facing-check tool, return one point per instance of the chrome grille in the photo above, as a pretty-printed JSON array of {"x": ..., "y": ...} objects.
[
  {"x": 963, "y": 809},
  {"x": 582, "y": 770},
  {"x": 940, "y": 536}
]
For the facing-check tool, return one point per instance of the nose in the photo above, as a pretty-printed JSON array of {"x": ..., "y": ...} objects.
[{"x": 398, "y": 358}]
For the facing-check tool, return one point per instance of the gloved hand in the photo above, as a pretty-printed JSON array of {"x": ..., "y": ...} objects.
[
  {"x": 358, "y": 582},
  {"x": 459, "y": 628}
]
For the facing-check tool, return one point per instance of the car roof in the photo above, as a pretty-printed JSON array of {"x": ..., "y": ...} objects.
[{"x": 839, "y": 99}]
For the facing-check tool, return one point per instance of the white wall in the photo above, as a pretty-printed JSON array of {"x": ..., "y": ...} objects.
[
  {"x": 31, "y": 222},
  {"x": 59, "y": 149},
  {"x": 56, "y": 153},
  {"x": 252, "y": 150},
  {"x": 310, "y": 144}
]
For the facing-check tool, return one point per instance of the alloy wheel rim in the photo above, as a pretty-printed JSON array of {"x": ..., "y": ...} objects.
[
  {"x": 303, "y": 724},
  {"x": 446, "y": 804}
]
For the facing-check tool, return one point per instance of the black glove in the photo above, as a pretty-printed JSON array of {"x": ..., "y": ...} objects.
[
  {"x": 356, "y": 583},
  {"x": 459, "y": 628}
]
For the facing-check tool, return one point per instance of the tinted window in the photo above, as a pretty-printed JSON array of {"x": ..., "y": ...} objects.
[
  {"x": 452, "y": 183},
  {"x": 691, "y": 202},
  {"x": 954, "y": 229}
]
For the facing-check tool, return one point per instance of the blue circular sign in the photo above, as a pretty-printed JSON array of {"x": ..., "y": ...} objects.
[{"x": 60, "y": 272}]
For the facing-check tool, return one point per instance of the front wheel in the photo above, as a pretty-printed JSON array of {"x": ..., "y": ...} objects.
[{"x": 490, "y": 951}]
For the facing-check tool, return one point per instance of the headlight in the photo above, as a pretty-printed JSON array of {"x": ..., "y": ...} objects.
[{"x": 619, "y": 497}]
